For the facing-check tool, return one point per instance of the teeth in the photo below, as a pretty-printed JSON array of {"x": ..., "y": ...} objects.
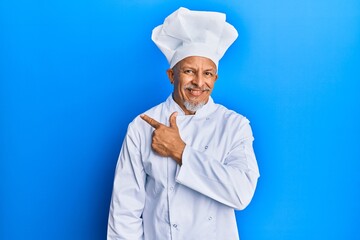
[{"x": 196, "y": 92}]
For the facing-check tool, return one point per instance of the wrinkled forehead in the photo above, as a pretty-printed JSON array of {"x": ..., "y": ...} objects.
[{"x": 197, "y": 62}]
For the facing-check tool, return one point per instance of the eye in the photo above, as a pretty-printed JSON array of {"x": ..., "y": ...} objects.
[
  {"x": 189, "y": 71},
  {"x": 209, "y": 74}
]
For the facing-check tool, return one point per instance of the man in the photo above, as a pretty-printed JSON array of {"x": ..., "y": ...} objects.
[{"x": 186, "y": 164}]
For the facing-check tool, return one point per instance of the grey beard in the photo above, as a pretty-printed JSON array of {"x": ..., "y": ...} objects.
[{"x": 193, "y": 107}]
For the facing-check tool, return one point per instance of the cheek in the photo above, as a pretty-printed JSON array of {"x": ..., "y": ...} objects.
[
  {"x": 211, "y": 84},
  {"x": 179, "y": 90},
  {"x": 181, "y": 86}
]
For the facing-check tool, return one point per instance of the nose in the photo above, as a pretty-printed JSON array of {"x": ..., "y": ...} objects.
[{"x": 198, "y": 80}]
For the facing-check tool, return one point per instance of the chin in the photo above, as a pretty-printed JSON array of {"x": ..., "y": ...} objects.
[{"x": 193, "y": 106}]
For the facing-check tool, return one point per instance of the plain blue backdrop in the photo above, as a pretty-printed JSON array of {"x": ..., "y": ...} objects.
[{"x": 75, "y": 73}]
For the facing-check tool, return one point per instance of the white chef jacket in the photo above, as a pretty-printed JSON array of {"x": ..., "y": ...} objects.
[{"x": 156, "y": 199}]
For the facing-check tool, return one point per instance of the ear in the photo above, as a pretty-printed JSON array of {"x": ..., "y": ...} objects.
[{"x": 170, "y": 74}]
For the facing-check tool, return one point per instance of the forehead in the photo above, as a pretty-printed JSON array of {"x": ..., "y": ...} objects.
[{"x": 197, "y": 62}]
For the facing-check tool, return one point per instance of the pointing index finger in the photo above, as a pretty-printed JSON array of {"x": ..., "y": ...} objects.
[{"x": 155, "y": 124}]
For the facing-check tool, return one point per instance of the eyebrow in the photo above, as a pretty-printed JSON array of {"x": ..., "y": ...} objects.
[
  {"x": 208, "y": 69},
  {"x": 186, "y": 66}
]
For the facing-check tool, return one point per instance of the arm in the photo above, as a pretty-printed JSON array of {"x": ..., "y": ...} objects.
[
  {"x": 232, "y": 182},
  {"x": 128, "y": 198}
]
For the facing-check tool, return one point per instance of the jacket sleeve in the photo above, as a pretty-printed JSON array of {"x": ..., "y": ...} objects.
[
  {"x": 231, "y": 181},
  {"x": 128, "y": 197}
]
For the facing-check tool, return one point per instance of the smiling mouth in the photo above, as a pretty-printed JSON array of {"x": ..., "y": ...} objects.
[{"x": 197, "y": 91}]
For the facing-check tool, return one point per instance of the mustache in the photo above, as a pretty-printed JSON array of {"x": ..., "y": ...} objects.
[{"x": 196, "y": 88}]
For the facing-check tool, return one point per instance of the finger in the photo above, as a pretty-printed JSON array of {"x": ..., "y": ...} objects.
[
  {"x": 155, "y": 124},
  {"x": 173, "y": 120}
]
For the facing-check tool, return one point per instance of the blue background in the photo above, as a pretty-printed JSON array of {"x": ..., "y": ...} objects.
[{"x": 75, "y": 73}]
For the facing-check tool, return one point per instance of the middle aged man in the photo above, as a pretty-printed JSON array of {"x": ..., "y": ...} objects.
[{"x": 186, "y": 164}]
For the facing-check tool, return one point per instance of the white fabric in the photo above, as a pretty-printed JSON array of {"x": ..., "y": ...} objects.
[
  {"x": 156, "y": 199},
  {"x": 194, "y": 33}
]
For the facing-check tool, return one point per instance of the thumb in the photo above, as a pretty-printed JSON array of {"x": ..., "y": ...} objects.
[{"x": 173, "y": 120}]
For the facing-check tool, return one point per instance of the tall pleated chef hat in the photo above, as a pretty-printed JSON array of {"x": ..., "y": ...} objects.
[{"x": 186, "y": 33}]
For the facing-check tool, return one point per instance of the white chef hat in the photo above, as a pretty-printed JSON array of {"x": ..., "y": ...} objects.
[{"x": 186, "y": 33}]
